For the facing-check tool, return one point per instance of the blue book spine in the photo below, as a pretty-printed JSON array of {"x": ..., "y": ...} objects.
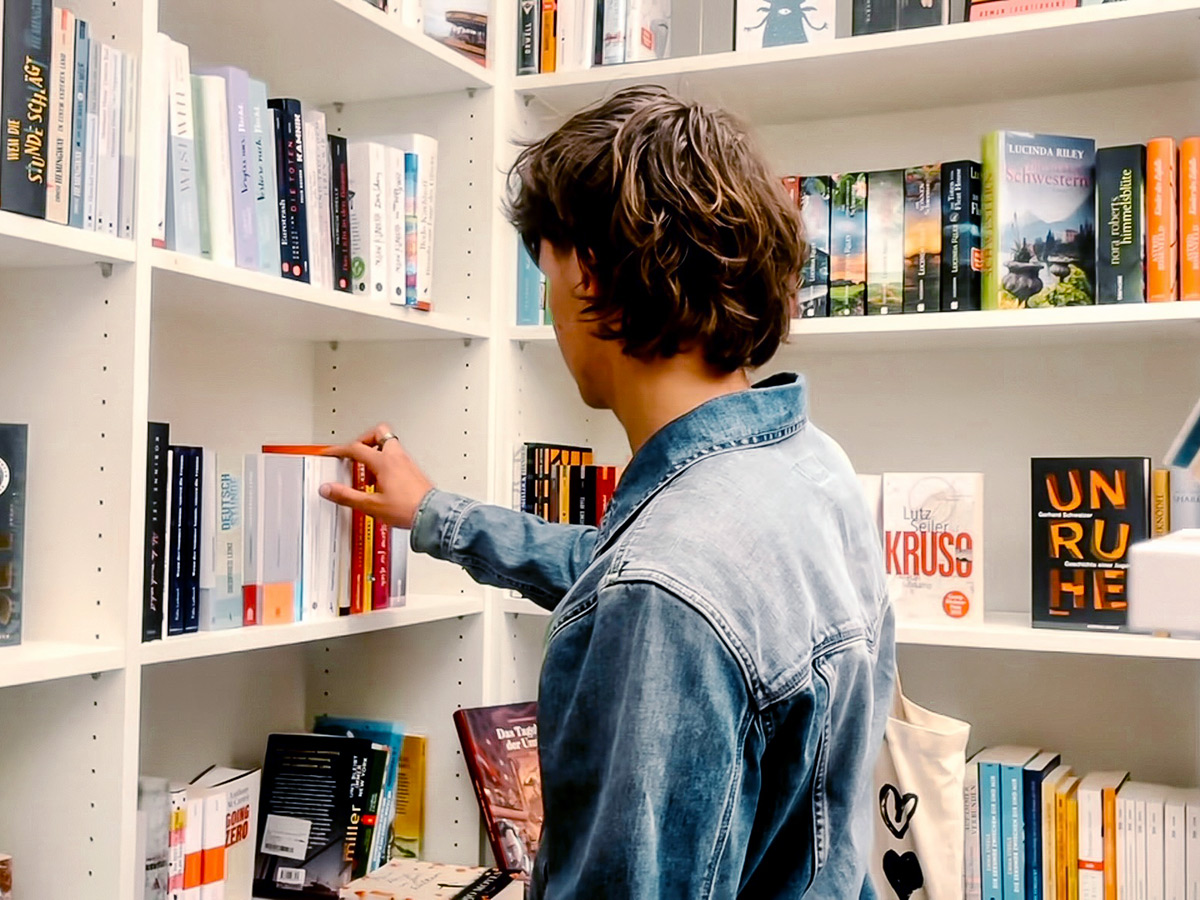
[
  {"x": 529, "y": 288},
  {"x": 175, "y": 586},
  {"x": 412, "y": 182},
  {"x": 79, "y": 122},
  {"x": 1033, "y": 833},
  {"x": 266, "y": 195},
  {"x": 241, "y": 164},
  {"x": 989, "y": 831},
  {"x": 194, "y": 487},
  {"x": 289, "y": 170},
  {"x": 91, "y": 144},
  {"x": 1012, "y": 827}
]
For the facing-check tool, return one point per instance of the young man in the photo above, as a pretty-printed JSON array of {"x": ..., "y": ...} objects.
[{"x": 720, "y": 661}]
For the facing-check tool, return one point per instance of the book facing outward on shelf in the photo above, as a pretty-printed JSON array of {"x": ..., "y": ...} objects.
[
  {"x": 13, "y": 463},
  {"x": 410, "y": 879},
  {"x": 1087, "y": 513},
  {"x": 500, "y": 747},
  {"x": 6, "y": 876},
  {"x": 759, "y": 26}
]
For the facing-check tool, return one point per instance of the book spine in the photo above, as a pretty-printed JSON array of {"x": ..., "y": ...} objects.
[
  {"x": 815, "y": 194},
  {"x": 972, "y": 876},
  {"x": 885, "y": 242},
  {"x": 1162, "y": 230},
  {"x": 92, "y": 146},
  {"x": 183, "y": 190},
  {"x": 317, "y": 159},
  {"x": 367, "y": 219},
  {"x": 989, "y": 831},
  {"x": 1189, "y": 219},
  {"x": 252, "y": 560},
  {"x": 426, "y": 148},
  {"x": 339, "y": 190},
  {"x": 1061, "y": 846},
  {"x": 14, "y": 458},
  {"x": 1032, "y": 821},
  {"x": 875, "y": 16},
  {"x": 1125, "y": 847},
  {"x": 1160, "y": 504},
  {"x": 217, "y": 169},
  {"x": 126, "y": 204},
  {"x": 108, "y": 149},
  {"x": 79, "y": 122},
  {"x": 156, "y": 70},
  {"x": 25, "y": 106},
  {"x": 549, "y": 35},
  {"x": 397, "y": 273},
  {"x": 1121, "y": 221},
  {"x": 381, "y": 590},
  {"x": 358, "y": 589},
  {"x": 178, "y": 545},
  {"x": 962, "y": 257},
  {"x": 62, "y": 73},
  {"x": 1012, "y": 824},
  {"x": 1174, "y": 850},
  {"x": 613, "y": 45},
  {"x": 245, "y": 233},
  {"x": 528, "y": 288},
  {"x": 993, "y": 156},
  {"x": 266, "y": 195},
  {"x": 194, "y": 510},
  {"x": 528, "y": 36},
  {"x": 212, "y": 853},
  {"x": 848, "y": 240},
  {"x": 289, "y": 170},
  {"x": 923, "y": 14},
  {"x": 157, "y": 441},
  {"x": 175, "y": 853},
  {"x": 1155, "y": 850},
  {"x": 1091, "y": 846},
  {"x": 922, "y": 239}
]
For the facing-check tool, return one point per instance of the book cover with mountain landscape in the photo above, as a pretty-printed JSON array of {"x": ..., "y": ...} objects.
[
  {"x": 848, "y": 245},
  {"x": 885, "y": 242},
  {"x": 1039, "y": 220},
  {"x": 923, "y": 239},
  {"x": 814, "y": 191}
]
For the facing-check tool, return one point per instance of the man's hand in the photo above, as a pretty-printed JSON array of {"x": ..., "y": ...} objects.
[{"x": 400, "y": 485}]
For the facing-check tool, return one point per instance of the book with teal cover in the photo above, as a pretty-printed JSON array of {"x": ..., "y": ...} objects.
[{"x": 529, "y": 288}]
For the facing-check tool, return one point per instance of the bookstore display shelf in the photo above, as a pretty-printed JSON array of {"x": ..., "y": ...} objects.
[
  {"x": 996, "y": 329},
  {"x": 519, "y": 606},
  {"x": 29, "y": 243},
  {"x": 1137, "y": 42},
  {"x": 417, "y": 611},
  {"x": 370, "y": 55},
  {"x": 241, "y": 300},
  {"x": 1012, "y": 631},
  {"x": 37, "y": 661}
]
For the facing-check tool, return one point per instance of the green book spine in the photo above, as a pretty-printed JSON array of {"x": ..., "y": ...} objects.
[{"x": 992, "y": 145}]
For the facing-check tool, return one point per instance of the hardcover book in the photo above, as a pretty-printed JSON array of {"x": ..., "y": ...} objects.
[
  {"x": 1039, "y": 215},
  {"x": 933, "y": 545},
  {"x": 962, "y": 256},
  {"x": 922, "y": 239},
  {"x": 293, "y": 205},
  {"x": 339, "y": 169},
  {"x": 461, "y": 25},
  {"x": 885, "y": 242},
  {"x": 314, "y": 795},
  {"x": 1087, "y": 512},
  {"x": 848, "y": 245},
  {"x": 528, "y": 36},
  {"x": 155, "y": 552},
  {"x": 1162, "y": 221},
  {"x": 777, "y": 23},
  {"x": 814, "y": 192},
  {"x": 875, "y": 16},
  {"x": 500, "y": 747},
  {"x": 240, "y": 788},
  {"x": 13, "y": 466},
  {"x": 1121, "y": 223},
  {"x": 25, "y": 106}
]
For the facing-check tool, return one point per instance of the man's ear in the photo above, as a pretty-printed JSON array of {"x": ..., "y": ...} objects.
[{"x": 588, "y": 287}]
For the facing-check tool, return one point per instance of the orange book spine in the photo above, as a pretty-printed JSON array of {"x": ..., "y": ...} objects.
[
  {"x": 1060, "y": 845},
  {"x": 1162, "y": 226},
  {"x": 549, "y": 35},
  {"x": 1189, "y": 219},
  {"x": 1108, "y": 801},
  {"x": 1160, "y": 507},
  {"x": 296, "y": 449}
]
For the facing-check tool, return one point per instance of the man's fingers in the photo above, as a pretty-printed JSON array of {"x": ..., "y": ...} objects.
[
  {"x": 344, "y": 495},
  {"x": 374, "y": 437},
  {"x": 357, "y": 451}
]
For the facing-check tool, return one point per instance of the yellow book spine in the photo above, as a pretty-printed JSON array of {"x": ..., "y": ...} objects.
[
  {"x": 409, "y": 828},
  {"x": 1161, "y": 510},
  {"x": 1073, "y": 847}
]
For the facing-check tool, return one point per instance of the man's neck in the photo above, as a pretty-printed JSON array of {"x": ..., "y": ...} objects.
[{"x": 651, "y": 395}]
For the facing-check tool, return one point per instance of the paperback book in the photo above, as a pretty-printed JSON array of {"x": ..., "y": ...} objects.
[
  {"x": 885, "y": 242},
  {"x": 461, "y": 25},
  {"x": 1121, "y": 219},
  {"x": 1087, "y": 513},
  {"x": 1039, "y": 233},
  {"x": 848, "y": 245},
  {"x": 777, "y": 23},
  {"x": 922, "y": 239},
  {"x": 13, "y": 462},
  {"x": 814, "y": 191},
  {"x": 962, "y": 256}
]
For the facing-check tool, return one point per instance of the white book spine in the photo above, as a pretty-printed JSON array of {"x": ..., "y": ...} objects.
[
  {"x": 1155, "y": 848},
  {"x": 128, "y": 156},
  {"x": 335, "y": 539},
  {"x": 193, "y": 846},
  {"x": 62, "y": 95},
  {"x": 108, "y": 182},
  {"x": 157, "y": 72},
  {"x": 1091, "y": 845},
  {"x": 648, "y": 30},
  {"x": 252, "y": 544},
  {"x": 1140, "y": 871},
  {"x": 1175, "y": 848},
  {"x": 92, "y": 150},
  {"x": 315, "y": 556},
  {"x": 1124, "y": 844},
  {"x": 1192, "y": 844},
  {"x": 368, "y": 246},
  {"x": 175, "y": 845},
  {"x": 312, "y": 209},
  {"x": 566, "y": 16},
  {"x": 587, "y": 34},
  {"x": 182, "y": 225},
  {"x": 318, "y": 150},
  {"x": 218, "y": 176},
  {"x": 395, "y": 226},
  {"x": 614, "y": 31},
  {"x": 212, "y": 869},
  {"x": 972, "y": 871}
]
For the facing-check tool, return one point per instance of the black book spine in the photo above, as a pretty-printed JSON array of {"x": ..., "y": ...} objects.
[
  {"x": 25, "y": 105},
  {"x": 875, "y": 16},
  {"x": 289, "y": 164},
  {"x": 528, "y": 36},
  {"x": 598, "y": 41},
  {"x": 962, "y": 256},
  {"x": 590, "y": 516},
  {"x": 195, "y": 489},
  {"x": 1121, "y": 224},
  {"x": 14, "y": 452},
  {"x": 339, "y": 193},
  {"x": 578, "y": 497},
  {"x": 178, "y": 548},
  {"x": 921, "y": 13},
  {"x": 157, "y": 440}
]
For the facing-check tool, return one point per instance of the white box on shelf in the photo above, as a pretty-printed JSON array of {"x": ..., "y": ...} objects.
[{"x": 1164, "y": 584}]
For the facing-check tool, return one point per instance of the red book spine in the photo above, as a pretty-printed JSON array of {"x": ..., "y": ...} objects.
[
  {"x": 381, "y": 593},
  {"x": 358, "y": 532}
]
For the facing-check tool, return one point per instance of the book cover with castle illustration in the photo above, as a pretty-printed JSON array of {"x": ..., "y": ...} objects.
[{"x": 1039, "y": 220}]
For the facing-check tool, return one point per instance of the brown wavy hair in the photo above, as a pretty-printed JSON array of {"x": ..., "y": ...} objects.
[{"x": 691, "y": 238}]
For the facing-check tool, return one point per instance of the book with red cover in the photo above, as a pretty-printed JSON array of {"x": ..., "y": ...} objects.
[{"x": 500, "y": 746}]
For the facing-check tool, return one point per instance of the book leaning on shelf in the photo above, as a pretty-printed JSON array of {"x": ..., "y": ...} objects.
[
  {"x": 69, "y": 106},
  {"x": 237, "y": 540}
]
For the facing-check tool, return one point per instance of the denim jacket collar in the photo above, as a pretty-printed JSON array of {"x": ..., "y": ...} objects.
[{"x": 772, "y": 410}]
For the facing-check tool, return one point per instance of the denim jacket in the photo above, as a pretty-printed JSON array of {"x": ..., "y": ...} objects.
[{"x": 719, "y": 664}]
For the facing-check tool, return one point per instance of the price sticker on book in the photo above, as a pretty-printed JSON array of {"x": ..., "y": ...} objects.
[{"x": 286, "y": 836}]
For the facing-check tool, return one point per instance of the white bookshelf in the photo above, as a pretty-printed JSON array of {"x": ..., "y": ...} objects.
[{"x": 99, "y": 335}]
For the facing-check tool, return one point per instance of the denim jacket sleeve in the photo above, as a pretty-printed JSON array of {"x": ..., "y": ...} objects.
[
  {"x": 655, "y": 807},
  {"x": 502, "y": 547}
]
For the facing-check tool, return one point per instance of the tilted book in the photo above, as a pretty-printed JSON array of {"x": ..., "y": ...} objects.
[
  {"x": 240, "y": 788},
  {"x": 1087, "y": 513},
  {"x": 933, "y": 545},
  {"x": 885, "y": 242},
  {"x": 501, "y": 750},
  {"x": 183, "y": 193},
  {"x": 13, "y": 466}
]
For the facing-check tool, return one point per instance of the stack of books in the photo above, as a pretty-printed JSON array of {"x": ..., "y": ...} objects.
[
  {"x": 237, "y": 540},
  {"x": 260, "y": 184},
  {"x": 69, "y": 104}
]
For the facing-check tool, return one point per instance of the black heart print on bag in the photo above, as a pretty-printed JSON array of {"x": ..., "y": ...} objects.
[
  {"x": 903, "y": 872},
  {"x": 896, "y": 810}
]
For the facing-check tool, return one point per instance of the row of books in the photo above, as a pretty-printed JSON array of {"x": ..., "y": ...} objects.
[
  {"x": 237, "y": 540},
  {"x": 1087, "y": 513},
  {"x": 570, "y": 35},
  {"x": 1018, "y": 231},
  {"x": 325, "y": 808},
  {"x": 875, "y": 16},
  {"x": 69, "y": 104},
  {"x": 260, "y": 184},
  {"x": 1035, "y": 829},
  {"x": 14, "y": 442},
  {"x": 461, "y": 25},
  {"x": 559, "y": 483}
]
